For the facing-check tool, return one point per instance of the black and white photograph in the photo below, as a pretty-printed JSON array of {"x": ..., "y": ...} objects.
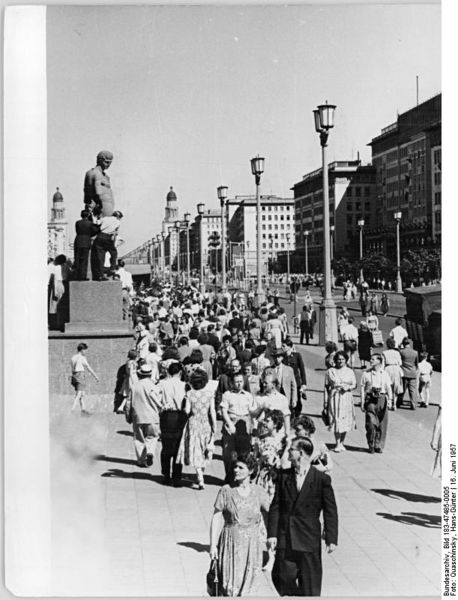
[{"x": 223, "y": 302}]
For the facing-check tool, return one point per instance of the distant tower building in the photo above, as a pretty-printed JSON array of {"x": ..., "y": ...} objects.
[
  {"x": 171, "y": 215},
  {"x": 57, "y": 227}
]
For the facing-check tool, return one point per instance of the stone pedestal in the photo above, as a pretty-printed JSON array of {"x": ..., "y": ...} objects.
[{"x": 96, "y": 308}]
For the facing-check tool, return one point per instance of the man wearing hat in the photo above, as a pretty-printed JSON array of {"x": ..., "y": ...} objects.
[
  {"x": 105, "y": 241},
  {"x": 286, "y": 378},
  {"x": 144, "y": 405}
]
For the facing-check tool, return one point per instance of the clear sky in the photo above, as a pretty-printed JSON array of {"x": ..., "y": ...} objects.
[{"x": 186, "y": 95}]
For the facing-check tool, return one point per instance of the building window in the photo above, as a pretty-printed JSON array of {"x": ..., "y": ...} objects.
[
  {"x": 437, "y": 178},
  {"x": 437, "y": 217},
  {"x": 349, "y": 207},
  {"x": 349, "y": 219},
  {"x": 367, "y": 191},
  {"x": 358, "y": 192},
  {"x": 437, "y": 198},
  {"x": 282, "y": 226},
  {"x": 367, "y": 205},
  {"x": 288, "y": 217},
  {"x": 358, "y": 206},
  {"x": 282, "y": 217},
  {"x": 264, "y": 245}
]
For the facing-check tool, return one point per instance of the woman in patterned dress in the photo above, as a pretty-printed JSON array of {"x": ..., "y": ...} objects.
[
  {"x": 339, "y": 383},
  {"x": 235, "y": 533},
  {"x": 200, "y": 428}
]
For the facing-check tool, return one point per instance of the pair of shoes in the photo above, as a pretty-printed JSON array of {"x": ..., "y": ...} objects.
[
  {"x": 177, "y": 483},
  {"x": 102, "y": 278},
  {"x": 378, "y": 450},
  {"x": 166, "y": 481},
  {"x": 412, "y": 407},
  {"x": 149, "y": 459},
  {"x": 371, "y": 450},
  {"x": 198, "y": 486},
  {"x": 337, "y": 449},
  {"x": 142, "y": 465},
  {"x": 85, "y": 413}
]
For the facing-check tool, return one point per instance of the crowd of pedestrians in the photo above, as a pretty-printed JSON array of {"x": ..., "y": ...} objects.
[{"x": 211, "y": 368}]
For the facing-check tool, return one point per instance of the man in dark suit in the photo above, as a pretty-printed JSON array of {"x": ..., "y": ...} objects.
[
  {"x": 85, "y": 230},
  {"x": 409, "y": 358},
  {"x": 294, "y": 527}
]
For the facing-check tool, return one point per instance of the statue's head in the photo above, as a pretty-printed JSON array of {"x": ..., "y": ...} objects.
[{"x": 104, "y": 159}]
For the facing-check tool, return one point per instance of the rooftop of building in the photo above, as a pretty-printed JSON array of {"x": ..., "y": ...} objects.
[
  {"x": 432, "y": 102},
  {"x": 265, "y": 199}
]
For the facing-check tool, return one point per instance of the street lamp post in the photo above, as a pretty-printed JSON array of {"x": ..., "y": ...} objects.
[
  {"x": 361, "y": 227},
  {"x": 222, "y": 195},
  {"x": 271, "y": 240},
  {"x": 161, "y": 238},
  {"x": 187, "y": 220},
  {"x": 257, "y": 168},
  {"x": 287, "y": 259},
  {"x": 200, "y": 211},
  {"x": 398, "y": 217},
  {"x": 247, "y": 256},
  {"x": 177, "y": 231},
  {"x": 324, "y": 121},
  {"x": 306, "y": 233},
  {"x": 332, "y": 230}
]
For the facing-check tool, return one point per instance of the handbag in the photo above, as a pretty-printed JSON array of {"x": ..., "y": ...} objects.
[
  {"x": 128, "y": 413},
  {"x": 212, "y": 578},
  {"x": 325, "y": 416}
]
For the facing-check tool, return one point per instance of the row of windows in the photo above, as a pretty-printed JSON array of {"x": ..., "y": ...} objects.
[
  {"x": 276, "y": 245},
  {"x": 276, "y": 236},
  {"x": 277, "y": 207},
  {"x": 358, "y": 206},
  {"x": 276, "y": 227},
  {"x": 276, "y": 217}
]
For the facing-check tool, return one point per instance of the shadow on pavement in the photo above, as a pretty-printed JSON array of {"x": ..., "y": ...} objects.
[
  {"x": 410, "y": 518},
  {"x": 195, "y": 546},
  {"x": 115, "y": 459},
  {"x": 124, "y": 432},
  {"x": 212, "y": 480},
  {"x": 132, "y": 475},
  {"x": 409, "y": 496}
]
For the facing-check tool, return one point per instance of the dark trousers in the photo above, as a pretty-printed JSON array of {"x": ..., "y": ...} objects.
[
  {"x": 376, "y": 423},
  {"x": 103, "y": 243},
  {"x": 172, "y": 423},
  {"x": 306, "y": 328},
  {"x": 81, "y": 262},
  {"x": 410, "y": 385},
  {"x": 234, "y": 444},
  {"x": 297, "y": 573}
]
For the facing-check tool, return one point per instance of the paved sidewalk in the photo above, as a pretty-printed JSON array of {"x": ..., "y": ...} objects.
[{"x": 118, "y": 531}]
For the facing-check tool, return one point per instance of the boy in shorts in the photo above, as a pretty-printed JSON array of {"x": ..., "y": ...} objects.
[{"x": 79, "y": 364}]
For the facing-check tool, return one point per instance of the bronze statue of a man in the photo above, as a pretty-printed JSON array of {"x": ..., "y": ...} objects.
[{"x": 98, "y": 196}]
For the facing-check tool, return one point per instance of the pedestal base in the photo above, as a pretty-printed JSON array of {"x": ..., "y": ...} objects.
[
  {"x": 328, "y": 324},
  {"x": 96, "y": 307}
]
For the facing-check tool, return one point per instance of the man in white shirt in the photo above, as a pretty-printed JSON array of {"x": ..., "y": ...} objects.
[
  {"x": 104, "y": 242},
  {"x": 398, "y": 333},
  {"x": 127, "y": 288}
]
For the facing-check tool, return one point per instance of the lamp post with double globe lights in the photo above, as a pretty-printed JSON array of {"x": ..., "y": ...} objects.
[
  {"x": 257, "y": 169},
  {"x": 324, "y": 121}
]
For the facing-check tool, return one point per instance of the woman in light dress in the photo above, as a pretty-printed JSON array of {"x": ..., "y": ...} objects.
[
  {"x": 196, "y": 443},
  {"x": 340, "y": 381},
  {"x": 236, "y": 539},
  {"x": 275, "y": 326},
  {"x": 393, "y": 367}
]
